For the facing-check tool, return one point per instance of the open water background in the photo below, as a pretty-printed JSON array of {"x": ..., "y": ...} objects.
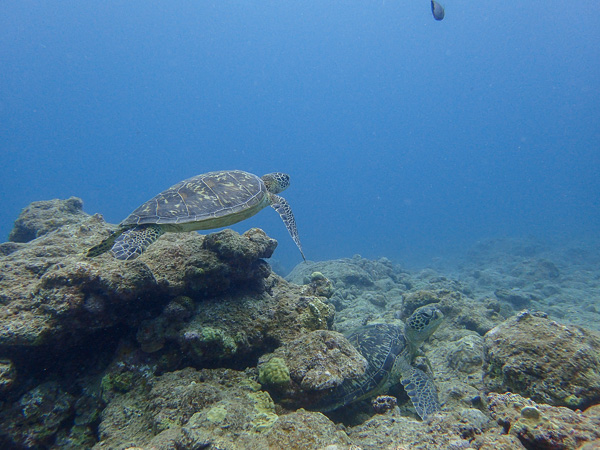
[{"x": 405, "y": 137}]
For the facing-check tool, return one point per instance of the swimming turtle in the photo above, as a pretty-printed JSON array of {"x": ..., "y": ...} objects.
[
  {"x": 390, "y": 351},
  {"x": 203, "y": 202}
]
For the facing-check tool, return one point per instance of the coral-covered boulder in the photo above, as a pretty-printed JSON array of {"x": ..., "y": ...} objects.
[
  {"x": 315, "y": 361},
  {"x": 49, "y": 289},
  {"x": 32, "y": 421},
  {"x": 534, "y": 356},
  {"x": 544, "y": 426},
  {"x": 236, "y": 326},
  {"x": 42, "y": 217},
  {"x": 341, "y": 272},
  {"x": 201, "y": 266},
  {"x": 193, "y": 409}
]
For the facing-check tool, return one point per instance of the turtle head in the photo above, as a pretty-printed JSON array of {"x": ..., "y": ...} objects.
[
  {"x": 422, "y": 323},
  {"x": 276, "y": 182}
]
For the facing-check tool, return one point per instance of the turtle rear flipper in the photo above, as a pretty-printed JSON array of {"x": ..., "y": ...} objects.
[
  {"x": 134, "y": 241},
  {"x": 421, "y": 391},
  {"x": 284, "y": 209}
]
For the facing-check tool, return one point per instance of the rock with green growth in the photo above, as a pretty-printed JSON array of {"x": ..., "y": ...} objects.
[
  {"x": 264, "y": 410},
  {"x": 253, "y": 410},
  {"x": 118, "y": 382},
  {"x": 217, "y": 414},
  {"x": 318, "y": 315},
  {"x": 249, "y": 323},
  {"x": 209, "y": 342},
  {"x": 320, "y": 285},
  {"x": 274, "y": 372},
  {"x": 207, "y": 266},
  {"x": 311, "y": 364},
  {"x": 317, "y": 276},
  {"x": 185, "y": 408}
]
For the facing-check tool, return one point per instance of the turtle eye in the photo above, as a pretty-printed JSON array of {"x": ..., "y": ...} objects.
[{"x": 426, "y": 315}]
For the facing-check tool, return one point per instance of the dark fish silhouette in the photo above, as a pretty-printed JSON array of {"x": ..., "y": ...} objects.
[{"x": 437, "y": 10}]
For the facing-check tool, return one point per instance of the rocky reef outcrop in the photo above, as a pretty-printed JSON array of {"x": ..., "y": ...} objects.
[
  {"x": 198, "y": 344},
  {"x": 549, "y": 362},
  {"x": 190, "y": 300},
  {"x": 40, "y": 218},
  {"x": 543, "y": 426},
  {"x": 314, "y": 362},
  {"x": 51, "y": 292}
]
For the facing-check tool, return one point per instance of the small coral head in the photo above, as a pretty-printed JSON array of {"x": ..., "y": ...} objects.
[{"x": 276, "y": 182}]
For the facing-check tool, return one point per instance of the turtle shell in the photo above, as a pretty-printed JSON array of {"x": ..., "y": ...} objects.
[
  {"x": 206, "y": 201},
  {"x": 380, "y": 344}
]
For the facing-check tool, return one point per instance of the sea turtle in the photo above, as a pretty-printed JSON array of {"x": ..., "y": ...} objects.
[
  {"x": 203, "y": 202},
  {"x": 390, "y": 351}
]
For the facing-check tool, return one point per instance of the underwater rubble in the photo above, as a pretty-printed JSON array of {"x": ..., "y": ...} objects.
[
  {"x": 559, "y": 278},
  {"x": 198, "y": 344}
]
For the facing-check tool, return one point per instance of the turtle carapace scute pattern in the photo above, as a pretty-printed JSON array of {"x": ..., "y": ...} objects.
[{"x": 204, "y": 202}]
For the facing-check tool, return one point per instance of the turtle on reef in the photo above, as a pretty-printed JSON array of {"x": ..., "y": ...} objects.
[
  {"x": 390, "y": 352},
  {"x": 207, "y": 201}
]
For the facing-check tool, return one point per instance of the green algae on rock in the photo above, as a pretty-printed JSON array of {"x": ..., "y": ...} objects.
[{"x": 210, "y": 342}]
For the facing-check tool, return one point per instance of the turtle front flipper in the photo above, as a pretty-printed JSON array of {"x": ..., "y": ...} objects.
[
  {"x": 281, "y": 205},
  {"x": 134, "y": 241},
  {"x": 421, "y": 391},
  {"x": 104, "y": 246}
]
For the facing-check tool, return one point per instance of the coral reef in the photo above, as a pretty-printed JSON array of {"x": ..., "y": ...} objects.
[
  {"x": 35, "y": 418},
  {"x": 222, "y": 407},
  {"x": 384, "y": 403},
  {"x": 543, "y": 426},
  {"x": 50, "y": 291},
  {"x": 199, "y": 344},
  {"x": 313, "y": 363},
  {"x": 274, "y": 372},
  {"x": 186, "y": 301},
  {"x": 40, "y": 218},
  {"x": 535, "y": 356}
]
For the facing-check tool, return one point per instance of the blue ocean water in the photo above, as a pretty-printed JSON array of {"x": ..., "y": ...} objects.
[{"x": 404, "y": 137}]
